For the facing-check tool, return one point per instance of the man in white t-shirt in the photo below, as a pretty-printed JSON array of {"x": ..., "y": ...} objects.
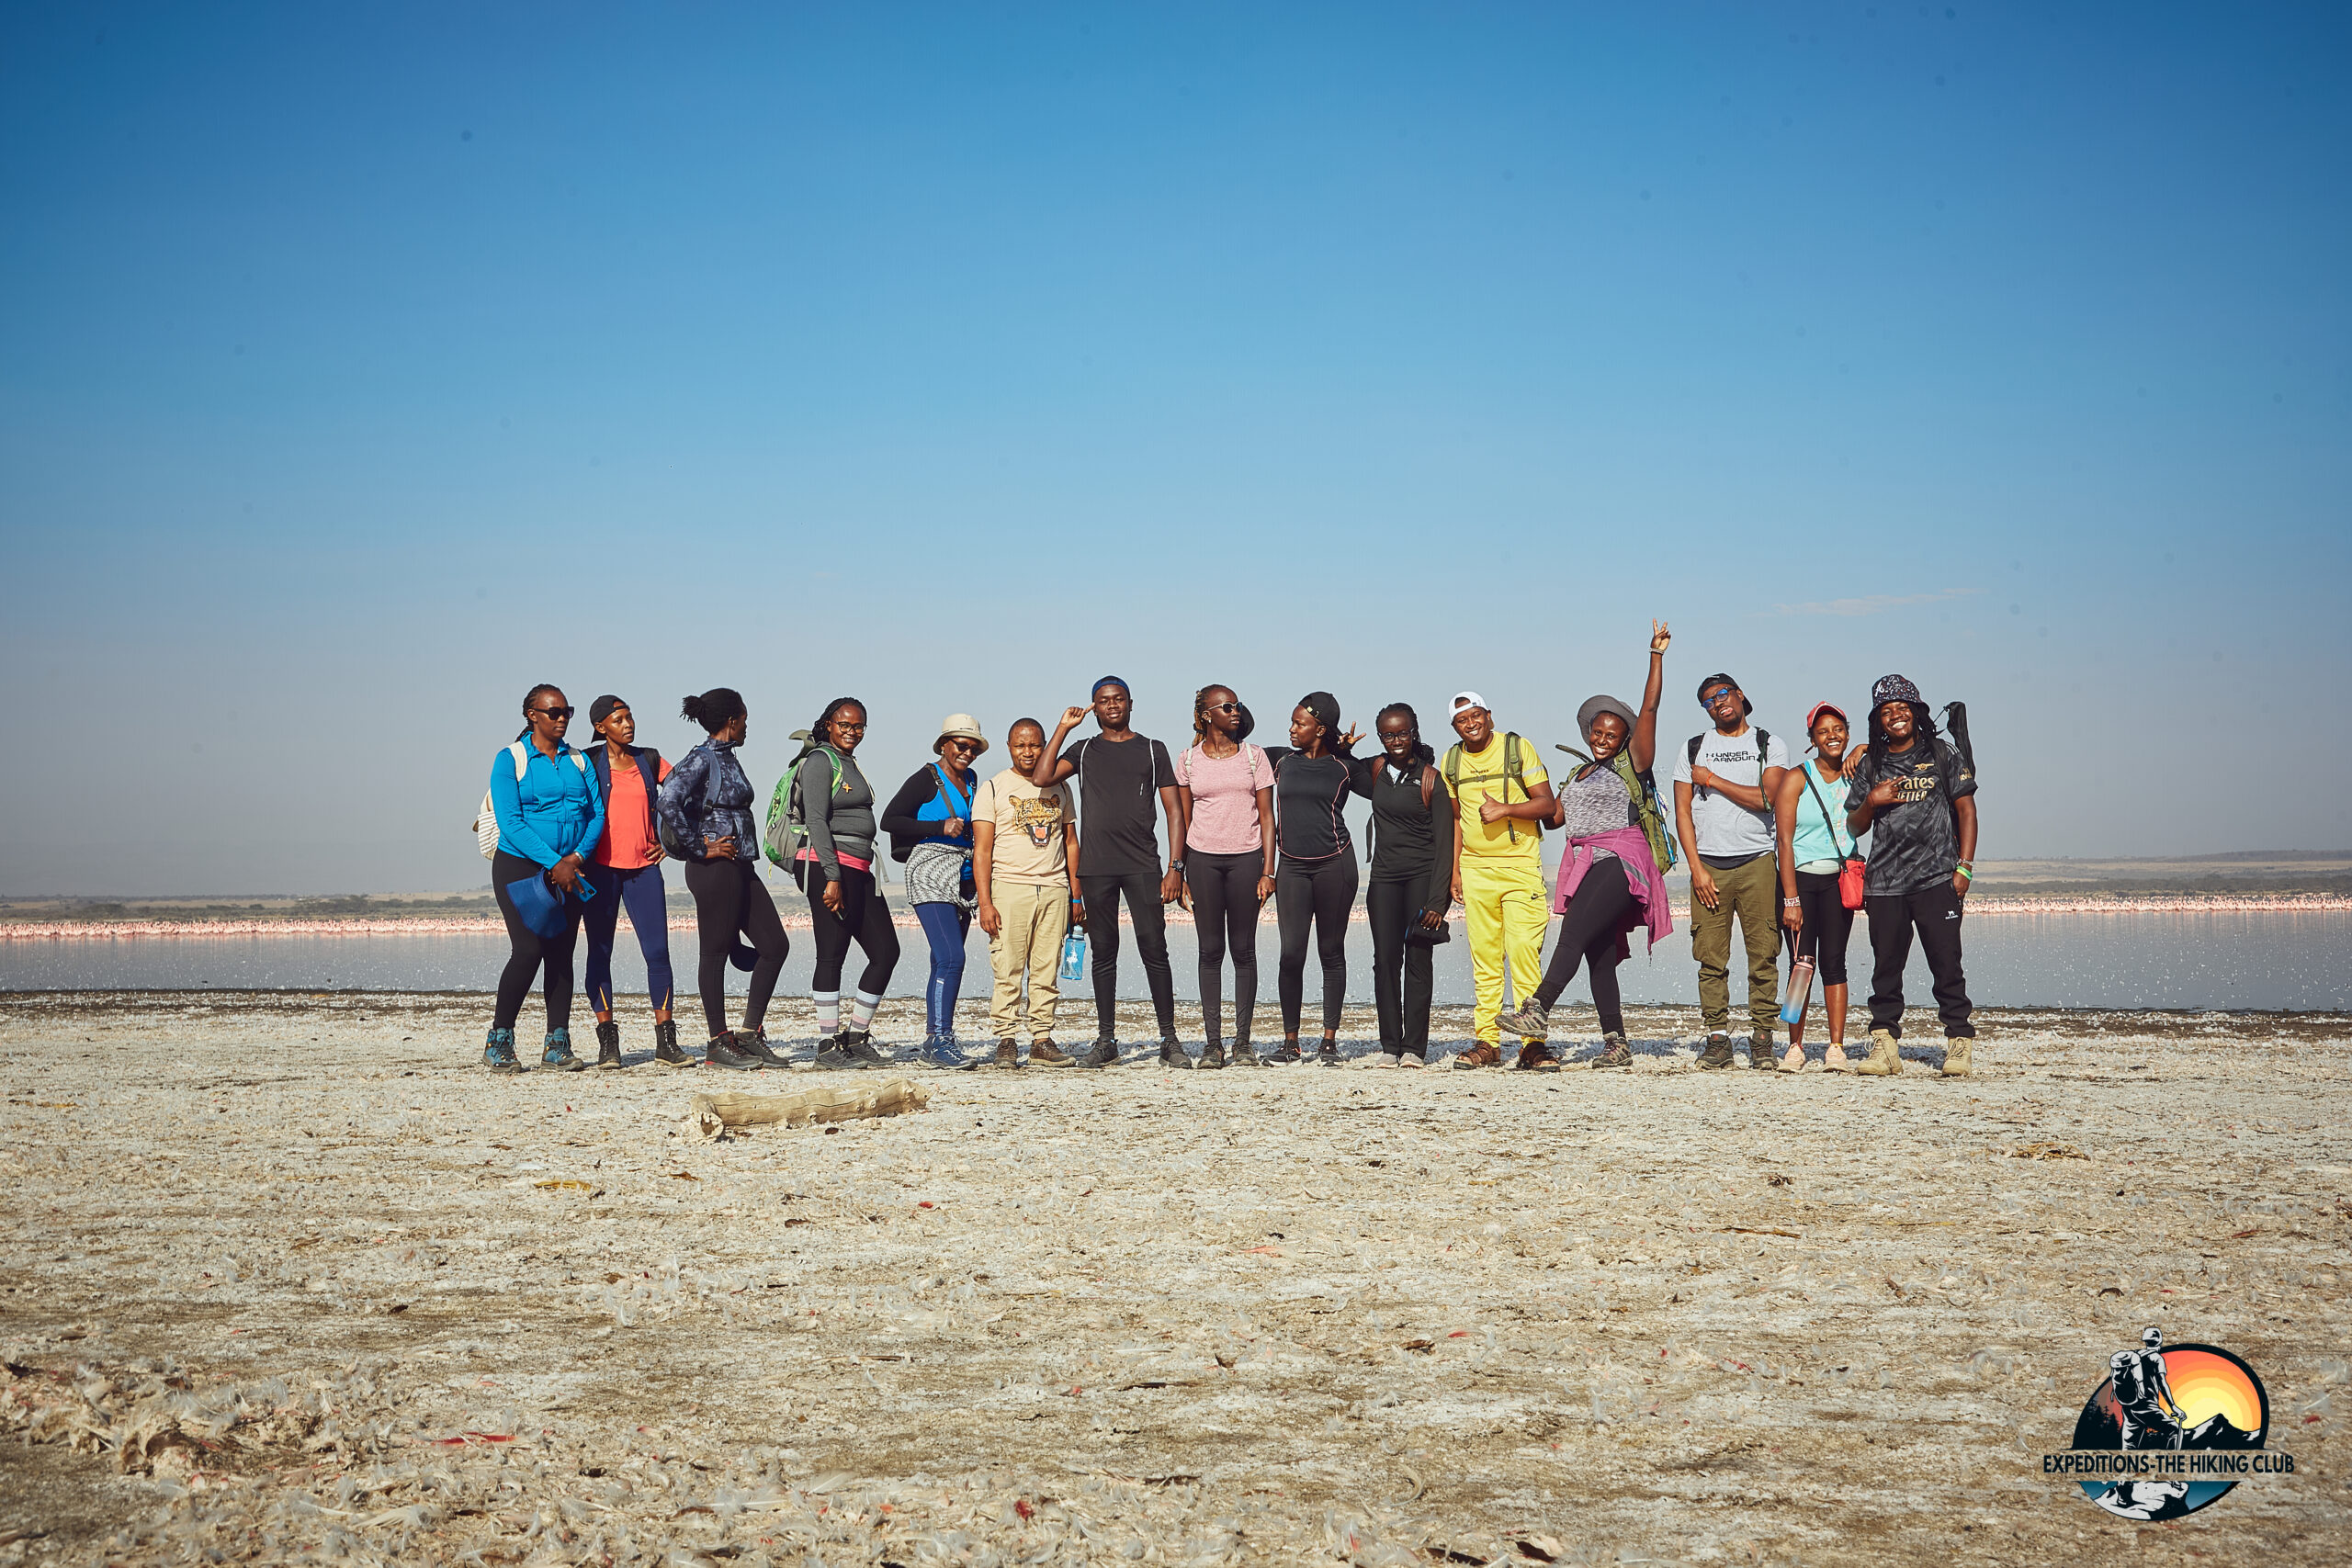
[{"x": 1724, "y": 784}]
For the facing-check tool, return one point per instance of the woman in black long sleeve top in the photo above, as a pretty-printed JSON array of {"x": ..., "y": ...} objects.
[
  {"x": 1409, "y": 891},
  {"x": 1315, "y": 883}
]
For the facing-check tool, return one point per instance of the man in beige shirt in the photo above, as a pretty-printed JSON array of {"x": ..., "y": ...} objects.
[{"x": 1024, "y": 862}]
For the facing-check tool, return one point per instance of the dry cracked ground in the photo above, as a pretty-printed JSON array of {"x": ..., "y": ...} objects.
[{"x": 290, "y": 1279}]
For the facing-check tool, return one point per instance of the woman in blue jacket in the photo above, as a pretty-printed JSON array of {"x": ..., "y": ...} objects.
[{"x": 550, "y": 816}]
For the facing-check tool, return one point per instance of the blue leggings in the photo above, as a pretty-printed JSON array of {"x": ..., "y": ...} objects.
[
  {"x": 649, "y": 912},
  {"x": 944, "y": 926}
]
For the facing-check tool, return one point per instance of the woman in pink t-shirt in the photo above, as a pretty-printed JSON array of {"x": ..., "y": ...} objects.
[{"x": 1225, "y": 846}]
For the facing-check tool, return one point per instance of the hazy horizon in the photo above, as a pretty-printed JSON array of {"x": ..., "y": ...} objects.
[{"x": 360, "y": 370}]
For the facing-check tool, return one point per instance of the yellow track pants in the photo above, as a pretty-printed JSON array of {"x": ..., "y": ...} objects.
[{"x": 1506, "y": 906}]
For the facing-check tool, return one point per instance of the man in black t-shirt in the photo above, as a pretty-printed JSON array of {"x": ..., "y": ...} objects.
[
  {"x": 1118, "y": 773},
  {"x": 1916, "y": 797}
]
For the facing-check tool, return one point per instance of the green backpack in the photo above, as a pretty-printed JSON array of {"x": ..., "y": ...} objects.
[
  {"x": 788, "y": 826},
  {"x": 1643, "y": 787},
  {"x": 1514, "y": 769}
]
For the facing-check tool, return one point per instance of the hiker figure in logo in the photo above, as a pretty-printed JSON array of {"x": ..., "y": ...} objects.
[{"x": 2146, "y": 1415}]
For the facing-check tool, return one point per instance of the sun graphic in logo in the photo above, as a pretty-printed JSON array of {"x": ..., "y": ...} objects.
[{"x": 2206, "y": 1383}]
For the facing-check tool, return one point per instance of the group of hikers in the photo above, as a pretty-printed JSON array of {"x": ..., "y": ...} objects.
[{"x": 1057, "y": 842}]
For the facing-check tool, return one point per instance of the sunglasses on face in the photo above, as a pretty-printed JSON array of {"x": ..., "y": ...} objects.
[
  {"x": 552, "y": 713},
  {"x": 1223, "y": 707},
  {"x": 963, "y": 746},
  {"x": 1718, "y": 694}
]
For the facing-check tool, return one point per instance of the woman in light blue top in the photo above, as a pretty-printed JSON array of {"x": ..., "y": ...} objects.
[
  {"x": 550, "y": 815},
  {"x": 1810, "y": 816}
]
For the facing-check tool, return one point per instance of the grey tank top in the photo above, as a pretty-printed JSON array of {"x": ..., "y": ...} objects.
[{"x": 1596, "y": 803}]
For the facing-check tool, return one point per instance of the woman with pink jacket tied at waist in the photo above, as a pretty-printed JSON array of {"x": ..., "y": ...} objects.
[{"x": 1609, "y": 881}]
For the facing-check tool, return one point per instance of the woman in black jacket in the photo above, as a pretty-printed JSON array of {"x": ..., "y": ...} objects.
[
  {"x": 707, "y": 809},
  {"x": 1410, "y": 882}
]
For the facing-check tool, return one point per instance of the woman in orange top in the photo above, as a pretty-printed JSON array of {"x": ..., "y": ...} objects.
[{"x": 626, "y": 871}]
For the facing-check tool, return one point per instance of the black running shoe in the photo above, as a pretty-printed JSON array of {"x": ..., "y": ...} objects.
[
  {"x": 1213, "y": 1054},
  {"x": 1172, "y": 1055},
  {"x": 1245, "y": 1055},
  {"x": 1329, "y": 1055},
  {"x": 1285, "y": 1056},
  {"x": 1104, "y": 1055}
]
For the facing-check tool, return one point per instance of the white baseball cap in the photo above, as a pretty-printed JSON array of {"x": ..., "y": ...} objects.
[{"x": 1465, "y": 700}]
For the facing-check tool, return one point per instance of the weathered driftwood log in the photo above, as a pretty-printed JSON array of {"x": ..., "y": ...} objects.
[{"x": 711, "y": 1116}]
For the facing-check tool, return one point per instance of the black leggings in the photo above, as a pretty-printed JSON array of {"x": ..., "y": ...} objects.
[
  {"x": 532, "y": 950},
  {"x": 1321, "y": 892},
  {"x": 864, "y": 919},
  {"x": 1141, "y": 890},
  {"x": 731, "y": 898},
  {"x": 1589, "y": 934},
  {"x": 1827, "y": 925},
  {"x": 1224, "y": 918},
  {"x": 1396, "y": 908}
]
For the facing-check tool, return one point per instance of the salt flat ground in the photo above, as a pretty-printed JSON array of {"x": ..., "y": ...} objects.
[{"x": 291, "y": 1277}]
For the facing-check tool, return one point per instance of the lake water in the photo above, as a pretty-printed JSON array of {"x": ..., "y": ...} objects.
[{"x": 2236, "y": 960}]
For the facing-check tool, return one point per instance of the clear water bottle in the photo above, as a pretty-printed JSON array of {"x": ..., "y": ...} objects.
[
  {"x": 1800, "y": 992},
  {"x": 1074, "y": 957}
]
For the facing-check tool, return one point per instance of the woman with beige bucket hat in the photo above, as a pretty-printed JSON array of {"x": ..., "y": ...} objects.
[{"x": 929, "y": 823}]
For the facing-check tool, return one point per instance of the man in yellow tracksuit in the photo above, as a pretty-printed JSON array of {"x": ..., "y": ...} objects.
[{"x": 1502, "y": 795}]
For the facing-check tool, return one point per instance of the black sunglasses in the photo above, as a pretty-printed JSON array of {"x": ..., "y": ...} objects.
[
  {"x": 1223, "y": 707},
  {"x": 550, "y": 713}
]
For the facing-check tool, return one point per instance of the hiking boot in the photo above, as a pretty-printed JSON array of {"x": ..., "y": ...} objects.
[
  {"x": 1045, "y": 1054},
  {"x": 1885, "y": 1059},
  {"x": 1531, "y": 1021},
  {"x": 941, "y": 1052},
  {"x": 1956, "y": 1053},
  {"x": 608, "y": 1045},
  {"x": 1759, "y": 1051},
  {"x": 1172, "y": 1055},
  {"x": 1245, "y": 1055},
  {"x": 754, "y": 1042},
  {"x": 1482, "y": 1055},
  {"x": 1538, "y": 1058},
  {"x": 1328, "y": 1056},
  {"x": 1614, "y": 1052},
  {"x": 665, "y": 1045},
  {"x": 1213, "y": 1054},
  {"x": 857, "y": 1044},
  {"x": 558, "y": 1052},
  {"x": 1718, "y": 1051},
  {"x": 1104, "y": 1055},
  {"x": 1008, "y": 1056},
  {"x": 730, "y": 1050},
  {"x": 498, "y": 1053},
  {"x": 1286, "y": 1054}
]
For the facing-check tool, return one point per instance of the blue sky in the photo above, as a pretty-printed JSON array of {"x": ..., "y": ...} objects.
[{"x": 359, "y": 370}]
